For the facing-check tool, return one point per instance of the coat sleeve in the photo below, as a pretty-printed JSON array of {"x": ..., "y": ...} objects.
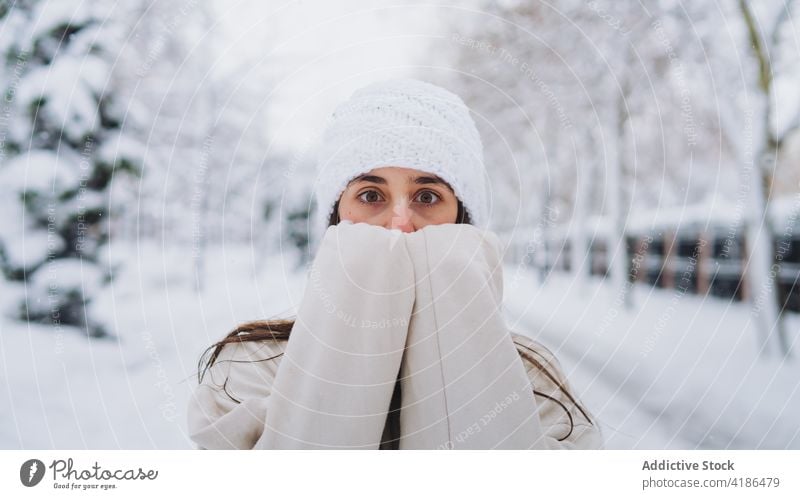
[
  {"x": 334, "y": 382},
  {"x": 464, "y": 385},
  {"x": 564, "y": 424}
]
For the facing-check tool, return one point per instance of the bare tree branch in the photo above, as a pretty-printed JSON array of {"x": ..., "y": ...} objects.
[{"x": 759, "y": 48}]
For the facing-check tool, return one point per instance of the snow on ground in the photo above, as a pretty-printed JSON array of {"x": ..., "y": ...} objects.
[
  {"x": 674, "y": 371},
  {"x": 60, "y": 390}
]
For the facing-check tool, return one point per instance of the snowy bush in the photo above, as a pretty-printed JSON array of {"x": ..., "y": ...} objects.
[{"x": 60, "y": 143}]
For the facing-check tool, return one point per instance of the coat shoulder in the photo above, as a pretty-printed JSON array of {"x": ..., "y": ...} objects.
[
  {"x": 533, "y": 352},
  {"x": 242, "y": 369},
  {"x": 227, "y": 408},
  {"x": 563, "y": 416}
]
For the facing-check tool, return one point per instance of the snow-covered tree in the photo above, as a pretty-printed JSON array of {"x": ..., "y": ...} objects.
[
  {"x": 669, "y": 104},
  {"x": 589, "y": 100},
  {"x": 770, "y": 109},
  {"x": 200, "y": 105},
  {"x": 64, "y": 144}
]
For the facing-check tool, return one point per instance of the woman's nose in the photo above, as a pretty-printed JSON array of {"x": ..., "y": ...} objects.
[{"x": 401, "y": 217}]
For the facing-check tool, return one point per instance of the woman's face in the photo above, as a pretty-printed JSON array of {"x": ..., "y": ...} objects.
[{"x": 398, "y": 198}]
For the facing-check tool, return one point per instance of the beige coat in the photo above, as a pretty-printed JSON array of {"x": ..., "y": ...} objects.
[{"x": 422, "y": 309}]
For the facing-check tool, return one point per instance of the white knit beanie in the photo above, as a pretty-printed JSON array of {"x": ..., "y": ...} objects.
[{"x": 406, "y": 123}]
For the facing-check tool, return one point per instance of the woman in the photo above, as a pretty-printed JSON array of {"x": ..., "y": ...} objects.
[{"x": 399, "y": 341}]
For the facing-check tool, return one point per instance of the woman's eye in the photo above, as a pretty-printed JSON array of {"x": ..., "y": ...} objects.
[
  {"x": 428, "y": 197},
  {"x": 371, "y": 197}
]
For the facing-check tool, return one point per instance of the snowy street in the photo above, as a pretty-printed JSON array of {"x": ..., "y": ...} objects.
[{"x": 675, "y": 371}]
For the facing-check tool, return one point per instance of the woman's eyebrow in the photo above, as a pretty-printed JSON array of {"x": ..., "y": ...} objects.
[
  {"x": 422, "y": 180},
  {"x": 430, "y": 180},
  {"x": 369, "y": 178},
  {"x": 433, "y": 180}
]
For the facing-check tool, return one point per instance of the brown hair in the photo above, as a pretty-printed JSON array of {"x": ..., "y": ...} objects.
[{"x": 280, "y": 329}]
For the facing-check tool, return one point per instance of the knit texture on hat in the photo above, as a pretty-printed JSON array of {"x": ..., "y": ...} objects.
[{"x": 407, "y": 123}]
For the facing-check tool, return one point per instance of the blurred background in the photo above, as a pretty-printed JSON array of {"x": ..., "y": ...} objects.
[{"x": 157, "y": 163}]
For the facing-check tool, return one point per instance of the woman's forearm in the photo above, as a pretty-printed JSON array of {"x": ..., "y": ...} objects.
[
  {"x": 336, "y": 378},
  {"x": 463, "y": 383}
]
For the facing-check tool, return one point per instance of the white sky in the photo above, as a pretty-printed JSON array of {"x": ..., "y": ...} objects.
[{"x": 316, "y": 53}]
